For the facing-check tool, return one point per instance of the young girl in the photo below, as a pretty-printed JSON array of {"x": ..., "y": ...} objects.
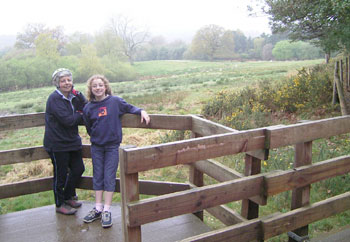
[{"x": 102, "y": 119}]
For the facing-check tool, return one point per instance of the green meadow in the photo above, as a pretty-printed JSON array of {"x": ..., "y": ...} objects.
[{"x": 172, "y": 87}]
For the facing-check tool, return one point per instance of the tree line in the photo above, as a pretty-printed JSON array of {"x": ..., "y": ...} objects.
[{"x": 112, "y": 51}]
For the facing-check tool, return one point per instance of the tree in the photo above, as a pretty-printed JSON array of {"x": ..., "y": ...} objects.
[
  {"x": 131, "y": 36},
  {"x": 89, "y": 63},
  {"x": 324, "y": 22},
  {"x": 283, "y": 50},
  {"x": 240, "y": 40},
  {"x": 46, "y": 47},
  {"x": 297, "y": 50},
  {"x": 227, "y": 48},
  {"x": 258, "y": 47},
  {"x": 266, "y": 53},
  {"x": 108, "y": 44},
  {"x": 75, "y": 42},
  {"x": 207, "y": 42},
  {"x": 27, "y": 39}
]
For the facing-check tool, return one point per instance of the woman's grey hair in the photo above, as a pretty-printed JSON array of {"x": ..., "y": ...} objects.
[{"x": 57, "y": 74}]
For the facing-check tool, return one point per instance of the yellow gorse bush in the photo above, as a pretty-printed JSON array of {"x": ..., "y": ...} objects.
[{"x": 254, "y": 107}]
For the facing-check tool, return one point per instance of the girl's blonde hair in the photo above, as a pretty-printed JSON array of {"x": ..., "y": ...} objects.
[{"x": 90, "y": 95}]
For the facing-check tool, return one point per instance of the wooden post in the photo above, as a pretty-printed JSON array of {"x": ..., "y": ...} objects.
[
  {"x": 250, "y": 209},
  {"x": 347, "y": 80},
  {"x": 129, "y": 189},
  {"x": 196, "y": 178},
  {"x": 341, "y": 73},
  {"x": 339, "y": 86},
  {"x": 301, "y": 196}
]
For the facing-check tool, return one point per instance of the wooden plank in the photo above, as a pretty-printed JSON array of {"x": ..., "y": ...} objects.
[
  {"x": 42, "y": 224},
  {"x": 45, "y": 184},
  {"x": 23, "y": 155},
  {"x": 207, "y": 127},
  {"x": 147, "y": 187},
  {"x": 188, "y": 151},
  {"x": 305, "y": 215},
  {"x": 304, "y": 132},
  {"x": 158, "y": 121},
  {"x": 338, "y": 79},
  {"x": 160, "y": 188},
  {"x": 22, "y": 121},
  {"x": 197, "y": 199},
  {"x": 25, "y": 187},
  {"x": 301, "y": 196},
  {"x": 222, "y": 173},
  {"x": 226, "y": 215},
  {"x": 196, "y": 177},
  {"x": 250, "y": 209},
  {"x": 129, "y": 187},
  {"x": 217, "y": 171},
  {"x": 246, "y": 231},
  {"x": 278, "y": 182},
  {"x": 31, "y": 154}
]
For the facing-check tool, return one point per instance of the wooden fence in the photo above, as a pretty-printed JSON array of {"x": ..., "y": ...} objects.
[{"x": 210, "y": 140}]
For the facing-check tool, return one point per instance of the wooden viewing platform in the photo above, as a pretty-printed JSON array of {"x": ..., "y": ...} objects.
[
  {"x": 43, "y": 224},
  {"x": 178, "y": 203}
]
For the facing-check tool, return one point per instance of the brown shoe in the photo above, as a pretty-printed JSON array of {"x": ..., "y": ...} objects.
[
  {"x": 73, "y": 203},
  {"x": 66, "y": 210}
]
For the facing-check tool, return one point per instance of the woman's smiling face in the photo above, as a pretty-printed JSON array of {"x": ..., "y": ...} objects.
[{"x": 65, "y": 85}]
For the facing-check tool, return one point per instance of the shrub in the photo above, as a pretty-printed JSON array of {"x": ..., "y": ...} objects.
[{"x": 254, "y": 107}]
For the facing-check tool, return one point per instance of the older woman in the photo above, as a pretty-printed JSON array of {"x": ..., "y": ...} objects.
[{"x": 62, "y": 141}]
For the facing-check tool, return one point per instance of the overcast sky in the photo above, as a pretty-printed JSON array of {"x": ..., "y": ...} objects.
[{"x": 161, "y": 17}]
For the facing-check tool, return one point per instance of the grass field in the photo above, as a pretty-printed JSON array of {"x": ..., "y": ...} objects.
[{"x": 167, "y": 87}]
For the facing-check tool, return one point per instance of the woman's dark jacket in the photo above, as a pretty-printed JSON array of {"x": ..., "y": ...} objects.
[{"x": 62, "y": 117}]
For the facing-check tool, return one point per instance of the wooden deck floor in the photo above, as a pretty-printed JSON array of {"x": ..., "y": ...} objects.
[{"x": 44, "y": 224}]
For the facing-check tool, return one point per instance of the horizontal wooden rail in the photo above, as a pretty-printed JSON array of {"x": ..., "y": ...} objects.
[
  {"x": 217, "y": 170},
  {"x": 197, "y": 199},
  {"x": 305, "y": 215},
  {"x": 194, "y": 200},
  {"x": 45, "y": 184},
  {"x": 263, "y": 229},
  {"x": 280, "y": 136},
  {"x": 22, "y": 121},
  {"x": 25, "y": 187},
  {"x": 226, "y": 215},
  {"x": 245, "y": 231},
  {"x": 206, "y": 127},
  {"x": 223, "y": 213},
  {"x": 29, "y": 154},
  {"x": 188, "y": 151},
  {"x": 298, "y": 177},
  {"x": 158, "y": 121},
  {"x": 222, "y": 173}
]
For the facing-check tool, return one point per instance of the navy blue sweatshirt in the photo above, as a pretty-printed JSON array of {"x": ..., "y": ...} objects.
[
  {"x": 61, "y": 123},
  {"x": 102, "y": 119}
]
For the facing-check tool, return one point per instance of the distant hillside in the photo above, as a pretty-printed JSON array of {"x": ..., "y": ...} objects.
[{"x": 7, "y": 41}]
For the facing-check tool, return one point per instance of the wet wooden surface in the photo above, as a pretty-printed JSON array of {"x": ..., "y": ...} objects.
[{"x": 44, "y": 224}]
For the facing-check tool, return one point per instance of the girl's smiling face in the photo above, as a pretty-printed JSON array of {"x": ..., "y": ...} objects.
[{"x": 98, "y": 88}]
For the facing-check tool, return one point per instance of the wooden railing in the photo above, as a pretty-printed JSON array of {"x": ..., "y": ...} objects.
[
  {"x": 29, "y": 154},
  {"x": 210, "y": 140}
]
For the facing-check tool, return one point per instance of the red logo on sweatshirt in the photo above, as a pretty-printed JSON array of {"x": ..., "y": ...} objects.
[{"x": 102, "y": 111}]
